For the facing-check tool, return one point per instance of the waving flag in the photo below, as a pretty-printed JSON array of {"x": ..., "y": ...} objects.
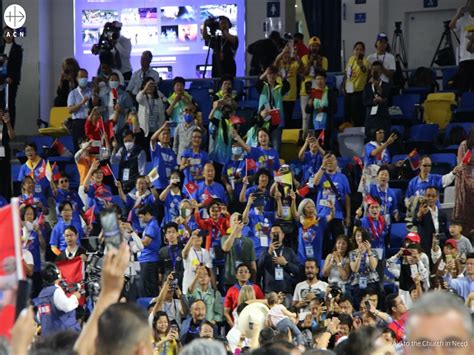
[
  {"x": 49, "y": 172},
  {"x": 72, "y": 271},
  {"x": 61, "y": 149},
  {"x": 42, "y": 171},
  {"x": 56, "y": 173},
  {"x": 303, "y": 191},
  {"x": 285, "y": 179},
  {"x": 414, "y": 159},
  {"x": 250, "y": 164},
  {"x": 207, "y": 198},
  {"x": 89, "y": 216},
  {"x": 358, "y": 161},
  {"x": 153, "y": 174},
  {"x": 191, "y": 188},
  {"x": 106, "y": 170},
  {"x": 103, "y": 193},
  {"x": 322, "y": 136}
]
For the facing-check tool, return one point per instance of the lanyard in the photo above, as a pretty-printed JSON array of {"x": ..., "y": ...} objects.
[
  {"x": 151, "y": 106},
  {"x": 385, "y": 199},
  {"x": 173, "y": 256},
  {"x": 383, "y": 59},
  {"x": 201, "y": 259},
  {"x": 238, "y": 248},
  {"x": 376, "y": 232}
]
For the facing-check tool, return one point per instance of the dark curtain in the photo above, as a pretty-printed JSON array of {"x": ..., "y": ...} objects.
[{"x": 324, "y": 20}]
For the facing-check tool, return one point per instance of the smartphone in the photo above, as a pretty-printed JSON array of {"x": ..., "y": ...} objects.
[
  {"x": 367, "y": 305},
  {"x": 174, "y": 327},
  {"x": 111, "y": 228},
  {"x": 275, "y": 237},
  {"x": 311, "y": 133},
  {"x": 376, "y": 76},
  {"x": 441, "y": 236},
  {"x": 361, "y": 56},
  {"x": 182, "y": 212}
]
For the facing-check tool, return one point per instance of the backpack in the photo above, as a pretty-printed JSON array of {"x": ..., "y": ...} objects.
[{"x": 423, "y": 77}]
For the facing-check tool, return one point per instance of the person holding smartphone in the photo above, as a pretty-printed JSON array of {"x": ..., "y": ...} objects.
[
  {"x": 376, "y": 99},
  {"x": 352, "y": 87},
  {"x": 165, "y": 334}
]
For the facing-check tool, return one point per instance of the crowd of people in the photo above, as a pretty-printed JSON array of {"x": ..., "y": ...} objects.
[{"x": 220, "y": 246}]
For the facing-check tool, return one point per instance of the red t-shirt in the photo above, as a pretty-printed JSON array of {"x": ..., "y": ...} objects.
[
  {"x": 398, "y": 327},
  {"x": 232, "y": 295}
]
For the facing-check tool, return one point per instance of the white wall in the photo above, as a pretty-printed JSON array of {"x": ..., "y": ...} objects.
[{"x": 381, "y": 17}]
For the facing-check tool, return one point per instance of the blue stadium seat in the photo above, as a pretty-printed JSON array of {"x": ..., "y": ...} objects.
[
  {"x": 166, "y": 87},
  {"x": 398, "y": 231},
  {"x": 202, "y": 98},
  {"x": 297, "y": 114},
  {"x": 331, "y": 81},
  {"x": 451, "y": 159},
  {"x": 423, "y": 91},
  {"x": 202, "y": 84},
  {"x": 448, "y": 74},
  {"x": 467, "y": 126},
  {"x": 239, "y": 87},
  {"x": 340, "y": 113},
  {"x": 399, "y": 196},
  {"x": 424, "y": 133},
  {"x": 15, "y": 172},
  {"x": 144, "y": 302},
  {"x": 467, "y": 102},
  {"x": 398, "y": 157},
  {"x": 68, "y": 142},
  {"x": 253, "y": 93},
  {"x": 407, "y": 103}
]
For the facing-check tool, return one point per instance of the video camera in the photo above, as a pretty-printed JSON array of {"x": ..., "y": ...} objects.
[
  {"x": 110, "y": 34},
  {"x": 212, "y": 25}
]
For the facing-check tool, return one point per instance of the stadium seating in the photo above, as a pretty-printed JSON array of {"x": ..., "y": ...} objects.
[
  {"x": 438, "y": 108},
  {"x": 398, "y": 231},
  {"x": 352, "y": 142},
  {"x": 408, "y": 103}
]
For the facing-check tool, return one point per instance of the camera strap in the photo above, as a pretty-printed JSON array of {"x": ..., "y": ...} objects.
[{"x": 335, "y": 190}]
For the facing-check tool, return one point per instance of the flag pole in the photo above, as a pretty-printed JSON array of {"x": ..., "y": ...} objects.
[{"x": 16, "y": 231}]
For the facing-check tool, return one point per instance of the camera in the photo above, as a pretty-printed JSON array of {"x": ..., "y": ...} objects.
[
  {"x": 212, "y": 25},
  {"x": 275, "y": 237},
  {"x": 335, "y": 290},
  {"x": 110, "y": 33}
]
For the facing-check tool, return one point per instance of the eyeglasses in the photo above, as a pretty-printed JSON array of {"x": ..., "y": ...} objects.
[
  {"x": 426, "y": 165},
  {"x": 63, "y": 181}
]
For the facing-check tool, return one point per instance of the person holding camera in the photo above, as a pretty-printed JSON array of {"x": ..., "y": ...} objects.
[
  {"x": 376, "y": 100},
  {"x": 113, "y": 42},
  {"x": 448, "y": 260},
  {"x": 67, "y": 82},
  {"x": 165, "y": 334},
  {"x": 170, "y": 255},
  {"x": 224, "y": 46},
  {"x": 56, "y": 311},
  {"x": 384, "y": 57},
  {"x": 151, "y": 107},
  {"x": 310, "y": 289},
  {"x": 145, "y": 71},
  {"x": 178, "y": 101}
]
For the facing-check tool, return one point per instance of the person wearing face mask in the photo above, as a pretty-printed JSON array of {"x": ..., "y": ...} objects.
[
  {"x": 151, "y": 107},
  {"x": 57, "y": 241},
  {"x": 233, "y": 173},
  {"x": 78, "y": 103},
  {"x": 184, "y": 130},
  {"x": 178, "y": 100},
  {"x": 171, "y": 198},
  {"x": 131, "y": 159},
  {"x": 11, "y": 69}
]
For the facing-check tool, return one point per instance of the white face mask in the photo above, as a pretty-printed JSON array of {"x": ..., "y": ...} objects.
[
  {"x": 128, "y": 145},
  {"x": 29, "y": 226}
]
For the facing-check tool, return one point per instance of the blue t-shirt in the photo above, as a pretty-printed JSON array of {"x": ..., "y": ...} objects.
[
  {"x": 215, "y": 190},
  {"x": 98, "y": 195},
  {"x": 416, "y": 187},
  {"x": 389, "y": 199},
  {"x": 379, "y": 159},
  {"x": 42, "y": 186},
  {"x": 197, "y": 160},
  {"x": 33, "y": 200},
  {"x": 132, "y": 207},
  {"x": 71, "y": 196},
  {"x": 165, "y": 160},
  {"x": 310, "y": 241},
  {"x": 57, "y": 234},
  {"x": 265, "y": 158},
  {"x": 326, "y": 193},
  {"x": 234, "y": 170},
  {"x": 3, "y": 201},
  {"x": 150, "y": 252},
  {"x": 34, "y": 249},
  {"x": 268, "y": 201},
  {"x": 171, "y": 204},
  {"x": 311, "y": 164},
  {"x": 260, "y": 226}
]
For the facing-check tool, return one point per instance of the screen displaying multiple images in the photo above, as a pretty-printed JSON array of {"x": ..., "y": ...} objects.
[{"x": 170, "y": 29}]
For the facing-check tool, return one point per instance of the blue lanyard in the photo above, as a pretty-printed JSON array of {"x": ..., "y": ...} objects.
[{"x": 173, "y": 256}]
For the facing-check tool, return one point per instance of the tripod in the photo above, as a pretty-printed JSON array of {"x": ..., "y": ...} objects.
[
  {"x": 445, "y": 56},
  {"x": 206, "y": 64},
  {"x": 398, "y": 45}
]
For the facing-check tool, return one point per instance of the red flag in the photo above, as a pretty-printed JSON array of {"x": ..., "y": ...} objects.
[
  {"x": 11, "y": 269},
  {"x": 89, "y": 216},
  {"x": 303, "y": 191},
  {"x": 114, "y": 94},
  {"x": 250, "y": 164},
  {"x": 72, "y": 272},
  {"x": 414, "y": 159},
  {"x": 370, "y": 200},
  {"x": 321, "y": 136},
  {"x": 316, "y": 94},
  {"x": 29, "y": 201},
  {"x": 207, "y": 198},
  {"x": 358, "y": 162},
  {"x": 56, "y": 173},
  {"x": 61, "y": 149},
  {"x": 109, "y": 128},
  {"x": 106, "y": 170},
  {"x": 42, "y": 171},
  {"x": 191, "y": 188},
  {"x": 467, "y": 157},
  {"x": 41, "y": 219}
]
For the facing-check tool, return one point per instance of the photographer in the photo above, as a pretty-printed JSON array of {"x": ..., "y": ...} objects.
[
  {"x": 120, "y": 47},
  {"x": 56, "y": 311},
  {"x": 224, "y": 46},
  {"x": 309, "y": 289}
]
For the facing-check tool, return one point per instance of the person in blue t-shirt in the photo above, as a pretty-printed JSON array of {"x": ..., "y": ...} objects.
[
  {"x": 148, "y": 258},
  {"x": 29, "y": 197},
  {"x": 171, "y": 198},
  {"x": 337, "y": 194},
  {"x": 261, "y": 189},
  {"x": 233, "y": 172},
  {"x": 162, "y": 155},
  {"x": 35, "y": 167},
  {"x": 418, "y": 185},
  {"x": 259, "y": 223},
  {"x": 311, "y": 159},
  {"x": 376, "y": 151},
  {"x": 388, "y": 199},
  {"x": 263, "y": 155},
  {"x": 209, "y": 189},
  {"x": 57, "y": 241},
  {"x": 62, "y": 192},
  {"x": 193, "y": 159},
  {"x": 137, "y": 198}
]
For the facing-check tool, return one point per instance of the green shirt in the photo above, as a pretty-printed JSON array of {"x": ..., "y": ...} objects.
[
  {"x": 242, "y": 252},
  {"x": 213, "y": 300}
]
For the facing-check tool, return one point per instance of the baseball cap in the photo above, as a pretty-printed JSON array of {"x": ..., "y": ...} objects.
[
  {"x": 382, "y": 37},
  {"x": 314, "y": 40},
  {"x": 452, "y": 242},
  {"x": 413, "y": 237},
  {"x": 371, "y": 201}
]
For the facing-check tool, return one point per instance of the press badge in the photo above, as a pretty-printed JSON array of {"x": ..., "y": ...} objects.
[
  {"x": 374, "y": 110},
  {"x": 349, "y": 87},
  {"x": 2, "y": 151},
  {"x": 278, "y": 273},
  {"x": 363, "y": 282},
  {"x": 264, "y": 241},
  {"x": 309, "y": 251},
  {"x": 212, "y": 253},
  {"x": 320, "y": 117},
  {"x": 126, "y": 174},
  {"x": 38, "y": 189}
]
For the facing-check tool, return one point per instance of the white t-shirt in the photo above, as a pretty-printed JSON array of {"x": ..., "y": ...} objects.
[
  {"x": 387, "y": 60},
  {"x": 303, "y": 288},
  {"x": 28, "y": 257},
  {"x": 276, "y": 314},
  {"x": 461, "y": 28},
  {"x": 191, "y": 263}
]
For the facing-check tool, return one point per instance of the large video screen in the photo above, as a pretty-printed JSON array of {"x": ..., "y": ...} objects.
[{"x": 170, "y": 29}]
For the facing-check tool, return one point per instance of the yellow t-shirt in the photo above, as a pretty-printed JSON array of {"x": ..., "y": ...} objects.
[
  {"x": 291, "y": 73},
  {"x": 355, "y": 75},
  {"x": 310, "y": 76}
]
